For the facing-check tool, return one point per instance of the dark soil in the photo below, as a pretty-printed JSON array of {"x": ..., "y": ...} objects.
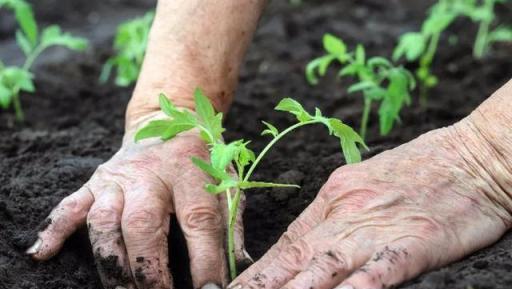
[{"x": 74, "y": 124}]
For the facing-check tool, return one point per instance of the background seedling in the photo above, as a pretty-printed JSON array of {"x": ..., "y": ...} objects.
[
  {"x": 377, "y": 79},
  {"x": 222, "y": 155},
  {"x": 32, "y": 42},
  {"x": 130, "y": 45}
]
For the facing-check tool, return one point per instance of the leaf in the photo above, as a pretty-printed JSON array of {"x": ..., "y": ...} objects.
[
  {"x": 319, "y": 65},
  {"x": 52, "y": 35},
  {"x": 204, "y": 108},
  {"x": 27, "y": 22},
  {"x": 501, "y": 34},
  {"x": 412, "y": 45},
  {"x": 363, "y": 85},
  {"x": 349, "y": 140},
  {"x": 360, "y": 55},
  {"x": 211, "y": 123},
  {"x": 210, "y": 170},
  {"x": 334, "y": 45},
  {"x": 222, "y": 155},
  {"x": 23, "y": 43},
  {"x": 250, "y": 185},
  {"x": 379, "y": 62},
  {"x": 397, "y": 94},
  {"x": 155, "y": 128},
  {"x": 166, "y": 106},
  {"x": 272, "y": 130},
  {"x": 294, "y": 107},
  {"x": 222, "y": 187},
  {"x": 5, "y": 96},
  {"x": 245, "y": 155}
]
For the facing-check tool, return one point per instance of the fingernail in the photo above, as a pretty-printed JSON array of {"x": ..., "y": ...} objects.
[
  {"x": 237, "y": 286},
  {"x": 35, "y": 248},
  {"x": 246, "y": 255},
  {"x": 211, "y": 286},
  {"x": 346, "y": 287}
]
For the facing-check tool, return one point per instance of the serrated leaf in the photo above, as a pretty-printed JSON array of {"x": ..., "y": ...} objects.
[
  {"x": 411, "y": 45},
  {"x": 294, "y": 107},
  {"x": 166, "y": 106},
  {"x": 222, "y": 155},
  {"x": 210, "y": 170},
  {"x": 52, "y": 35},
  {"x": 349, "y": 140},
  {"x": 334, "y": 45},
  {"x": 155, "y": 128},
  {"x": 222, "y": 187},
  {"x": 272, "y": 130},
  {"x": 204, "y": 108},
  {"x": 211, "y": 123},
  {"x": 245, "y": 155}
]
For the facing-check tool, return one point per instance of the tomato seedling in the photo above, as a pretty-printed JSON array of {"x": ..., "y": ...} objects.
[
  {"x": 32, "y": 42},
  {"x": 377, "y": 78},
  {"x": 130, "y": 46},
  {"x": 223, "y": 155}
]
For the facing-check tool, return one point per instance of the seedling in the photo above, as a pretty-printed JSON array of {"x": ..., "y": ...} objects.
[
  {"x": 14, "y": 79},
  {"x": 130, "y": 45},
  {"x": 377, "y": 78},
  {"x": 222, "y": 155}
]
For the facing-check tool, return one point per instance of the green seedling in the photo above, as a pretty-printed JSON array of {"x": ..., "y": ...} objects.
[
  {"x": 32, "y": 42},
  {"x": 483, "y": 13},
  {"x": 130, "y": 46},
  {"x": 422, "y": 46},
  {"x": 223, "y": 156},
  {"x": 377, "y": 79}
]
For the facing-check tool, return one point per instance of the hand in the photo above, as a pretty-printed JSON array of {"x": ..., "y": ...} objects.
[
  {"x": 386, "y": 220},
  {"x": 127, "y": 205}
]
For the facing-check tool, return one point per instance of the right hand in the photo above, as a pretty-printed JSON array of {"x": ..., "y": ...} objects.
[{"x": 127, "y": 205}]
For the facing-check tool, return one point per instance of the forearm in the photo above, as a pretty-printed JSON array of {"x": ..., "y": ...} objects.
[
  {"x": 485, "y": 141},
  {"x": 192, "y": 44}
]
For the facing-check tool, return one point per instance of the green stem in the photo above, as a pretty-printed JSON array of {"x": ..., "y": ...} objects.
[
  {"x": 483, "y": 31},
  {"x": 270, "y": 144},
  {"x": 366, "y": 114},
  {"x": 425, "y": 64},
  {"x": 233, "y": 211},
  {"x": 33, "y": 56},
  {"x": 20, "y": 116}
]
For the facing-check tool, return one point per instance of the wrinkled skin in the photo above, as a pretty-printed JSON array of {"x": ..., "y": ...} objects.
[
  {"x": 127, "y": 205},
  {"x": 378, "y": 223}
]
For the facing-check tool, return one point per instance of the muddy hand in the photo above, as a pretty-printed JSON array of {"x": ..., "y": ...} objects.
[
  {"x": 127, "y": 205},
  {"x": 420, "y": 206}
]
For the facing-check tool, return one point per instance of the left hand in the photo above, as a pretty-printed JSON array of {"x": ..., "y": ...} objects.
[{"x": 381, "y": 222}]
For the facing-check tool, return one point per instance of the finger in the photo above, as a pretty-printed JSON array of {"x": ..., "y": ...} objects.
[
  {"x": 328, "y": 268},
  {"x": 104, "y": 223},
  {"x": 69, "y": 214},
  {"x": 243, "y": 258},
  {"x": 145, "y": 226},
  {"x": 309, "y": 218},
  {"x": 200, "y": 218},
  {"x": 390, "y": 266}
]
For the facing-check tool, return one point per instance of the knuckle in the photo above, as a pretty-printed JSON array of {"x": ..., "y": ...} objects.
[
  {"x": 333, "y": 259},
  {"x": 104, "y": 218},
  {"x": 201, "y": 219},
  {"x": 141, "y": 221},
  {"x": 295, "y": 256}
]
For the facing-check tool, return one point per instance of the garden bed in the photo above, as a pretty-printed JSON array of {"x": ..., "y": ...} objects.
[{"x": 74, "y": 124}]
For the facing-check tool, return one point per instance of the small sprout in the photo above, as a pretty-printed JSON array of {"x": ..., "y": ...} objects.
[
  {"x": 223, "y": 155},
  {"x": 130, "y": 45},
  {"x": 32, "y": 42},
  {"x": 378, "y": 80}
]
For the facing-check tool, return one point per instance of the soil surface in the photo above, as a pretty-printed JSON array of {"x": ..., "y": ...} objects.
[{"x": 74, "y": 124}]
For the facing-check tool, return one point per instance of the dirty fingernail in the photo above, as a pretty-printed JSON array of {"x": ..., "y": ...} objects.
[
  {"x": 346, "y": 287},
  {"x": 35, "y": 248},
  {"x": 211, "y": 286}
]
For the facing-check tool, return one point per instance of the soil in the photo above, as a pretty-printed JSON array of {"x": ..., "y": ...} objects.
[{"x": 74, "y": 124}]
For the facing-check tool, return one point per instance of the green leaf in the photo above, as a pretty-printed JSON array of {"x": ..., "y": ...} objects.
[
  {"x": 210, "y": 170},
  {"x": 349, "y": 140},
  {"x": 245, "y": 155},
  {"x": 204, "y": 108},
  {"x": 360, "y": 55},
  {"x": 27, "y": 22},
  {"x": 52, "y": 35},
  {"x": 334, "y": 45},
  {"x": 222, "y": 155},
  {"x": 250, "y": 185},
  {"x": 23, "y": 43},
  {"x": 501, "y": 34},
  {"x": 272, "y": 130},
  {"x": 412, "y": 45},
  {"x": 222, "y": 187},
  {"x": 155, "y": 128},
  {"x": 5, "y": 96},
  {"x": 166, "y": 106},
  {"x": 211, "y": 123},
  {"x": 318, "y": 65},
  {"x": 363, "y": 85},
  {"x": 294, "y": 107}
]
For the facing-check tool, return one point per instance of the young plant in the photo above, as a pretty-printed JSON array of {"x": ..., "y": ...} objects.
[
  {"x": 422, "y": 46},
  {"x": 377, "y": 79},
  {"x": 32, "y": 42},
  {"x": 223, "y": 155},
  {"x": 130, "y": 45}
]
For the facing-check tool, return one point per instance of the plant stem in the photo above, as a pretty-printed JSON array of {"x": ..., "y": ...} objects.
[
  {"x": 33, "y": 56},
  {"x": 425, "y": 63},
  {"x": 20, "y": 116},
  {"x": 233, "y": 211},
  {"x": 483, "y": 31},
  {"x": 270, "y": 144},
  {"x": 366, "y": 114}
]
